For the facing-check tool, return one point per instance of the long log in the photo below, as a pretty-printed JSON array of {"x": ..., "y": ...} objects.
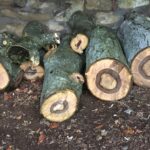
[
  {"x": 81, "y": 25},
  {"x": 134, "y": 34},
  {"x": 62, "y": 85},
  {"x": 10, "y": 74},
  {"x": 107, "y": 74}
]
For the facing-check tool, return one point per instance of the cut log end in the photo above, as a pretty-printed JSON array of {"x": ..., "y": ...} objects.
[
  {"x": 109, "y": 80},
  {"x": 4, "y": 78},
  {"x": 32, "y": 72},
  {"x": 60, "y": 106},
  {"x": 79, "y": 43},
  {"x": 140, "y": 68}
]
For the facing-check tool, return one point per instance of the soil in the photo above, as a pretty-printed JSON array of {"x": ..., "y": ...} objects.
[{"x": 97, "y": 125}]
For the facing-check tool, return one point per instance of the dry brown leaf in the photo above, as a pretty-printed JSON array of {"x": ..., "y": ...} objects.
[
  {"x": 129, "y": 131},
  {"x": 53, "y": 125},
  {"x": 41, "y": 138}
]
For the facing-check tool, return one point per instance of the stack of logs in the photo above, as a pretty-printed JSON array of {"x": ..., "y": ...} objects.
[{"x": 41, "y": 53}]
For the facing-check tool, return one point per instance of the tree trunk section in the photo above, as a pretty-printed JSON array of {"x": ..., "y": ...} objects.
[
  {"x": 134, "y": 35},
  {"x": 107, "y": 74},
  {"x": 80, "y": 24},
  {"x": 62, "y": 85}
]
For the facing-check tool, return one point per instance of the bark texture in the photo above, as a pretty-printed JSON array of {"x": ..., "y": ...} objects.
[
  {"x": 134, "y": 35},
  {"x": 103, "y": 44},
  {"x": 32, "y": 45}
]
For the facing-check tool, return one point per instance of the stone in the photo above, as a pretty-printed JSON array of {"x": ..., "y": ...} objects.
[
  {"x": 109, "y": 19},
  {"x": 127, "y": 4},
  {"x": 105, "y": 5},
  {"x": 54, "y": 26},
  {"x": 92, "y": 4}
]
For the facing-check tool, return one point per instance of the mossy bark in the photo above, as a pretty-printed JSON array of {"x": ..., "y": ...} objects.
[
  {"x": 59, "y": 68},
  {"x": 103, "y": 44},
  {"x": 32, "y": 45}
]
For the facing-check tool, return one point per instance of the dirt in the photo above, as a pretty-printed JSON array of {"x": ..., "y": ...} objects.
[{"x": 97, "y": 125}]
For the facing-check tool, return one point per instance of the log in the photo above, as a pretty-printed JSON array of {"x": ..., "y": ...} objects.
[
  {"x": 80, "y": 24},
  {"x": 62, "y": 85},
  {"x": 10, "y": 74},
  {"x": 134, "y": 34},
  {"x": 107, "y": 74},
  {"x": 29, "y": 47}
]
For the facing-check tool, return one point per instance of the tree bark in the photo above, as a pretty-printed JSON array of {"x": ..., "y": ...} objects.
[
  {"x": 62, "y": 85},
  {"x": 107, "y": 74},
  {"x": 30, "y": 46},
  {"x": 134, "y": 34},
  {"x": 81, "y": 25}
]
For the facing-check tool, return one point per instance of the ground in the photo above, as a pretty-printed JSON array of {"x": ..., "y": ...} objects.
[{"x": 97, "y": 125}]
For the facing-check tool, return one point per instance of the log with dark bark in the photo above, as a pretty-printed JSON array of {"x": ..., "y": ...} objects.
[
  {"x": 62, "y": 85},
  {"x": 134, "y": 33},
  {"x": 80, "y": 24},
  {"x": 30, "y": 46},
  {"x": 107, "y": 74},
  {"x": 10, "y": 74}
]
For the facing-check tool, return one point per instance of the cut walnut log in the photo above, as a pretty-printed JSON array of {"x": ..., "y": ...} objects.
[
  {"x": 10, "y": 74},
  {"x": 108, "y": 77},
  {"x": 134, "y": 34},
  {"x": 62, "y": 85},
  {"x": 80, "y": 24}
]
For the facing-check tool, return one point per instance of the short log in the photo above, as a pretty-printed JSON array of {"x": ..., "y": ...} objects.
[
  {"x": 134, "y": 34},
  {"x": 62, "y": 85},
  {"x": 80, "y": 24},
  {"x": 107, "y": 74}
]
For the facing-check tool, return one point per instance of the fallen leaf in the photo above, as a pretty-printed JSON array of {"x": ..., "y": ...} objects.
[
  {"x": 9, "y": 147},
  {"x": 7, "y": 96},
  {"x": 129, "y": 131},
  {"x": 53, "y": 125},
  {"x": 99, "y": 126},
  {"x": 41, "y": 138}
]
